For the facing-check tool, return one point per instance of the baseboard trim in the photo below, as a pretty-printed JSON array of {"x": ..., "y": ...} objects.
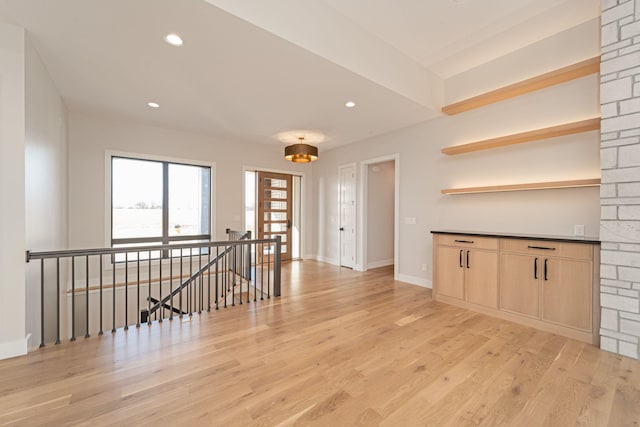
[
  {"x": 14, "y": 348},
  {"x": 378, "y": 264},
  {"x": 413, "y": 280},
  {"x": 327, "y": 260}
]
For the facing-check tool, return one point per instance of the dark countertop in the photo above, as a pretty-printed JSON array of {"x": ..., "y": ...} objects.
[{"x": 572, "y": 239}]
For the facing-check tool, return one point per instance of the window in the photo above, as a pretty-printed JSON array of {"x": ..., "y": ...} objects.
[{"x": 159, "y": 202}]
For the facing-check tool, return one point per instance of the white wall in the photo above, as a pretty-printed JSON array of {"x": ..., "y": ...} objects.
[
  {"x": 12, "y": 188},
  {"x": 90, "y": 138},
  {"x": 380, "y": 208},
  {"x": 46, "y": 186},
  {"x": 424, "y": 171}
]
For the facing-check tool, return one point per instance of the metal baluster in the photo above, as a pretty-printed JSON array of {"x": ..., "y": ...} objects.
[
  {"x": 126, "y": 291},
  {"x": 181, "y": 260},
  {"x": 86, "y": 293},
  {"x": 149, "y": 292},
  {"x": 269, "y": 271},
  {"x": 161, "y": 308},
  {"x": 189, "y": 292},
  {"x": 138, "y": 290},
  {"x": 216, "y": 279},
  {"x": 113, "y": 289},
  {"x": 235, "y": 267},
  {"x": 200, "y": 290},
  {"x": 225, "y": 288},
  {"x": 73, "y": 298},
  {"x": 58, "y": 300},
  {"x": 255, "y": 272},
  {"x": 171, "y": 284},
  {"x": 233, "y": 281},
  {"x": 261, "y": 271},
  {"x": 277, "y": 264},
  {"x": 209, "y": 278},
  {"x": 101, "y": 267},
  {"x": 41, "y": 302}
]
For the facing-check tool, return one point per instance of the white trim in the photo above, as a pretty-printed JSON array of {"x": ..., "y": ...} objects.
[
  {"x": 142, "y": 156},
  {"x": 413, "y": 280},
  {"x": 355, "y": 178},
  {"x": 362, "y": 224},
  {"x": 303, "y": 205},
  {"x": 14, "y": 348},
  {"x": 378, "y": 264}
]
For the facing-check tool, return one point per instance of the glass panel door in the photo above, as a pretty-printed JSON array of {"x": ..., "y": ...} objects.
[{"x": 275, "y": 209}]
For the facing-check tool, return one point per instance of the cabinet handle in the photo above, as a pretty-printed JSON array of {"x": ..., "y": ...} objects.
[
  {"x": 544, "y": 248},
  {"x": 461, "y": 258},
  {"x": 546, "y": 261},
  {"x": 535, "y": 268},
  {"x": 463, "y": 241},
  {"x": 467, "y": 259}
]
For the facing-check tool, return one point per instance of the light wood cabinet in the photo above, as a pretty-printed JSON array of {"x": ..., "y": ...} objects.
[
  {"x": 551, "y": 285},
  {"x": 566, "y": 293},
  {"x": 519, "y": 284},
  {"x": 467, "y": 272}
]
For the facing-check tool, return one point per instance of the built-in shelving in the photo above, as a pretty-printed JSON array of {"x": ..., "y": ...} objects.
[
  {"x": 571, "y": 72},
  {"x": 519, "y": 138},
  {"x": 577, "y": 183}
]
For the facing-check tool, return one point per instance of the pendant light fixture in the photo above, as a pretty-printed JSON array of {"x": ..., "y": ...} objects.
[{"x": 301, "y": 152}]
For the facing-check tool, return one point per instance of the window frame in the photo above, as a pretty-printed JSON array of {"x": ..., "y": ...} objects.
[{"x": 165, "y": 238}]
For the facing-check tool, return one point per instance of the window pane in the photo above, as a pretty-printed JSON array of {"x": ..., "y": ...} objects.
[
  {"x": 275, "y": 216},
  {"x": 275, "y": 183},
  {"x": 275, "y": 227},
  {"x": 136, "y": 198},
  {"x": 189, "y": 200},
  {"x": 275, "y": 206},
  {"x": 275, "y": 194},
  {"x": 133, "y": 256}
]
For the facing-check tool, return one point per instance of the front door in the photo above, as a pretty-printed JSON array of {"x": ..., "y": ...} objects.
[{"x": 274, "y": 208}]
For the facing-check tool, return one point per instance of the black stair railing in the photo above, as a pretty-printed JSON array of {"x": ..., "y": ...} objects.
[{"x": 86, "y": 291}]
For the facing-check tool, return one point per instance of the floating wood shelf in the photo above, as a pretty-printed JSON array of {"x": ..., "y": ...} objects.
[
  {"x": 533, "y": 135},
  {"x": 565, "y": 74},
  {"x": 521, "y": 187}
]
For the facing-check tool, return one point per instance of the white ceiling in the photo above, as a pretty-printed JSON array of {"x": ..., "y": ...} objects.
[{"x": 251, "y": 69}]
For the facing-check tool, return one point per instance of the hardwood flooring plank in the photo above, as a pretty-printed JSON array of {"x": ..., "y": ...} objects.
[{"x": 340, "y": 347}]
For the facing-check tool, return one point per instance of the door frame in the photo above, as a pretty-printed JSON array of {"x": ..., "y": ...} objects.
[
  {"x": 303, "y": 204},
  {"x": 361, "y": 235},
  {"x": 353, "y": 165}
]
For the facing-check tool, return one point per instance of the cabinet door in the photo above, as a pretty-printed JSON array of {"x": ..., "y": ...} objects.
[
  {"x": 482, "y": 278},
  {"x": 519, "y": 284},
  {"x": 566, "y": 292},
  {"x": 449, "y": 273}
]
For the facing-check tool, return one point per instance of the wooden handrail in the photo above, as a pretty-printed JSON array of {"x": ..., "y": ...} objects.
[
  {"x": 565, "y": 74},
  {"x": 532, "y": 135}
]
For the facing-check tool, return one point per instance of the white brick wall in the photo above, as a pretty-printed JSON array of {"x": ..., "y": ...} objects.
[{"x": 620, "y": 191}]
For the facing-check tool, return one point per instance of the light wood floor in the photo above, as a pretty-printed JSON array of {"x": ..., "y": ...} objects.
[{"x": 340, "y": 348}]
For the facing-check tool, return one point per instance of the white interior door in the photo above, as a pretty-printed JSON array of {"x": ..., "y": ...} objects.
[{"x": 348, "y": 216}]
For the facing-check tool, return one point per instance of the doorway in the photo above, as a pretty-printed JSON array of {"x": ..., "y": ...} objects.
[
  {"x": 378, "y": 223},
  {"x": 273, "y": 207},
  {"x": 347, "y": 229}
]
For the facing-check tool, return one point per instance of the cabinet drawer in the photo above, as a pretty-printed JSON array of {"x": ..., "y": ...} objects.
[
  {"x": 548, "y": 248},
  {"x": 463, "y": 241}
]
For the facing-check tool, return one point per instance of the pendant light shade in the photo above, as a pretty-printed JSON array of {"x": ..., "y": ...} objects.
[{"x": 301, "y": 153}]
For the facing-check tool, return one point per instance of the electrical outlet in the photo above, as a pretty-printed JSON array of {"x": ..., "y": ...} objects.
[
  {"x": 424, "y": 267},
  {"x": 578, "y": 230},
  {"x": 410, "y": 221}
]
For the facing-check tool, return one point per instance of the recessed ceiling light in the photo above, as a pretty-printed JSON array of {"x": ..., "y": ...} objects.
[
  {"x": 173, "y": 39},
  {"x": 350, "y": 104},
  {"x": 153, "y": 104}
]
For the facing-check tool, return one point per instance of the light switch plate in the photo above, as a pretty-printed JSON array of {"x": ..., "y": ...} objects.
[{"x": 578, "y": 230}]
